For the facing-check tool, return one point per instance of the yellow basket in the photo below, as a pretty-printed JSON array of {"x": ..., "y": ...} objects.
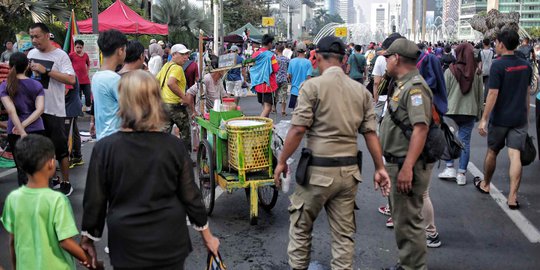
[{"x": 249, "y": 146}]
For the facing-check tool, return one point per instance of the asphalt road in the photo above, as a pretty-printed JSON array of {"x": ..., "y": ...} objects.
[{"x": 477, "y": 231}]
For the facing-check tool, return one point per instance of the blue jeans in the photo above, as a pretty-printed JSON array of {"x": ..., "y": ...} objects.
[{"x": 464, "y": 134}]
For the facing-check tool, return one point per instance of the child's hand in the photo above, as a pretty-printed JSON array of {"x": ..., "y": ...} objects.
[{"x": 88, "y": 246}]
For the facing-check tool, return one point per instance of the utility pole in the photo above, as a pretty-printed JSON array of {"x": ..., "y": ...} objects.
[
  {"x": 413, "y": 20},
  {"x": 424, "y": 10},
  {"x": 216, "y": 27},
  {"x": 95, "y": 27}
]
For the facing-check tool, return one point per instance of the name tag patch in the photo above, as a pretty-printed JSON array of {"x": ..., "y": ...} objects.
[{"x": 416, "y": 100}]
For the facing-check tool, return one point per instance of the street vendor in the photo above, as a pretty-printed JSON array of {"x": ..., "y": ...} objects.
[{"x": 214, "y": 90}]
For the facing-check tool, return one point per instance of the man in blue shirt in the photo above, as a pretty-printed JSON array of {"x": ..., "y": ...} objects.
[
  {"x": 112, "y": 44},
  {"x": 356, "y": 65},
  {"x": 299, "y": 70},
  {"x": 234, "y": 77}
]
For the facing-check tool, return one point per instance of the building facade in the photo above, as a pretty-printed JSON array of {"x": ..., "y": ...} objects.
[
  {"x": 347, "y": 11},
  {"x": 450, "y": 10},
  {"x": 467, "y": 9},
  {"x": 380, "y": 17},
  {"x": 529, "y": 10}
]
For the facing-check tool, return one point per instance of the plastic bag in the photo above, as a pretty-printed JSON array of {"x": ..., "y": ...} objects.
[{"x": 215, "y": 263}]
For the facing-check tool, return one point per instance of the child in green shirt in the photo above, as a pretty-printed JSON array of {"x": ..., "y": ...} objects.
[{"x": 39, "y": 220}]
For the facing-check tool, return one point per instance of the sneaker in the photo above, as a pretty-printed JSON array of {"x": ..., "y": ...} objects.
[
  {"x": 66, "y": 188},
  {"x": 76, "y": 161},
  {"x": 461, "y": 179},
  {"x": 448, "y": 173},
  {"x": 389, "y": 223},
  {"x": 385, "y": 210},
  {"x": 433, "y": 241},
  {"x": 55, "y": 182}
]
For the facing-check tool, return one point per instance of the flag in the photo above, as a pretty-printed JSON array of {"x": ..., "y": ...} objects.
[{"x": 72, "y": 30}]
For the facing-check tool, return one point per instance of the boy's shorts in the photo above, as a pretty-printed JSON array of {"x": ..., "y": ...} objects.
[
  {"x": 514, "y": 137},
  {"x": 265, "y": 98}
]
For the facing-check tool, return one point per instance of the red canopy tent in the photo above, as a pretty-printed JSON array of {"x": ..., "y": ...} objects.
[{"x": 120, "y": 17}]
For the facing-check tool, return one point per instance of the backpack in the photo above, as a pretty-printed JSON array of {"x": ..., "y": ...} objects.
[
  {"x": 186, "y": 64},
  {"x": 487, "y": 59}
]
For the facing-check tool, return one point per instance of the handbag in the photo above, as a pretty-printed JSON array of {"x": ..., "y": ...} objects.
[
  {"x": 528, "y": 154},
  {"x": 215, "y": 263},
  {"x": 453, "y": 146}
]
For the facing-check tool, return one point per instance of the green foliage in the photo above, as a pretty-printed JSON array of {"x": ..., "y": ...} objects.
[
  {"x": 534, "y": 32},
  {"x": 236, "y": 13},
  {"x": 184, "y": 21},
  {"x": 322, "y": 18}
]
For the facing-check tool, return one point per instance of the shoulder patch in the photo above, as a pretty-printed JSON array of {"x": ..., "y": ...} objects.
[
  {"x": 416, "y": 100},
  {"x": 415, "y": 91}
]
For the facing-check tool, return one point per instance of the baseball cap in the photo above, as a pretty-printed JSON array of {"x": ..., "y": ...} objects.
[
  {"x": 331, "y": 44},
  {"x": 161, "y": 42},
  {"x": 403, "y": 47},
  {"x": 152, "y": 41},
  {"x": 301, "y": 47},
  {"x": 179, "y": 48},
  {"x": 234, "y": 48},
  {"x": 390, "y": 39}
]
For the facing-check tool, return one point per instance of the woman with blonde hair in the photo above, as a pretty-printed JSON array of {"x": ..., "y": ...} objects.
[{"x": 140, "y": 180}]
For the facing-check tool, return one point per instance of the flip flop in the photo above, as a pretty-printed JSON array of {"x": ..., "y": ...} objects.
[
  {"x": 513, "y": 206},
  {"x": 477, "y": 182}
]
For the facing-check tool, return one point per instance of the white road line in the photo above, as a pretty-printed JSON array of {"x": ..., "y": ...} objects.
[
  {"x": 219, "y": 191},
  {"x": 8, "y": 172},
  {"x": 523, "y": 224}
]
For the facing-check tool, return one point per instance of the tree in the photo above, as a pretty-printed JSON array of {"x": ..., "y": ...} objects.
[
  {"x": 534, "y": 32},
  {"x": 184, "y": 21},
  {"x": 322, "y": 18},
  {"x": 236, "y": 13},
  {"x": 40, "y": 11}
]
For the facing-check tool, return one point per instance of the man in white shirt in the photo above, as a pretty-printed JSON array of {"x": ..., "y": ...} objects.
[
  {"x": 287, "y": 52},
  {"x": 53, "y": 68}
]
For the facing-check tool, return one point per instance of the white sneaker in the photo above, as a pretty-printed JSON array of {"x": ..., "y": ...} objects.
[
  {"x": 461, "y": 179},
  {"x": 448, "y": 173}
]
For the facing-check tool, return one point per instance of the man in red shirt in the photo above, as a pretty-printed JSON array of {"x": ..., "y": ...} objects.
[
  {"x": 263, "y": 74},
  {"x": 81, "y": 65}
]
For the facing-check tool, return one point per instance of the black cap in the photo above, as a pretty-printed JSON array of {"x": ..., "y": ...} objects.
[
  {"x": 331, "y": 44},
  {"x": 390, "y": 39}
]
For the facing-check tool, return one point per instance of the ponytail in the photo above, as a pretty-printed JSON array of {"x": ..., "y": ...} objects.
[
  {"x": 18, "y": 64},
  {"x": 12, "y": 83}
]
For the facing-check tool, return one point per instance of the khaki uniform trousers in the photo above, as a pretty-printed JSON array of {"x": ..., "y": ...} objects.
[
  {"x": 406, "y": 209},
  {"x": 333, "y": 188}
]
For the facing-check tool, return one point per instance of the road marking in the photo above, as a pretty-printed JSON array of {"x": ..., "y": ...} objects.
[
  {"x": 219, "y": 191},
  {"x": 533, "y": 105},
  {"x": 8, "y": 172},
  {"x": 523, "y": 224}
]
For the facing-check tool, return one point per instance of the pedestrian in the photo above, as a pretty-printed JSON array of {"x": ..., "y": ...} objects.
[
  {"x": 173, "y": 88},
  {"x": 507, "y": 107},
  {"x": 287, "y": 52},
  {"x": 214, "y": 91},
  {"x": 4, "y": 57},
  {"x": 234, "y": 77},
  {"x": 448, "y": 58},
  {"x": 191, "y": 71},
  {"x": 263, "y": 75},
  {"x": 410, "y": 105},
  {"x": 71, "y": 127},
  {"x": 81, "y": 65},
  {"x": 39, "y": 220},
  {"x": 526, "y": 51},
  {"x": 134, "y": 57},
  {"x": 282, "y": 79},
  {"x": 52, "y": 67},
  {"x": 165, "y": 190},
  {"x": 299, "y": 71},
  {"x": 23, "y": 99},
  {"x": 485, "y": 56},
  {"x": 465, "y": 104},
  {"x": 156, "y": 61},
  {"x": 112, "y": 44},
  {"x": 333, "y": 176},
  {"x": 356, "y": 66}
]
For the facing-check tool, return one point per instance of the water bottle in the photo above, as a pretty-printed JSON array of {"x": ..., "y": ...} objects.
[{"x": 286, "y": 181}]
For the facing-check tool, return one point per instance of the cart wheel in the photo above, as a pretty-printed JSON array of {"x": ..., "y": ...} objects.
[
  {"x": 205, "y": 169},
  {"x": 267, "y": 197}
]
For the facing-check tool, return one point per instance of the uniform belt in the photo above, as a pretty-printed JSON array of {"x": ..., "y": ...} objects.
[
  {"x": 333, "y": 161},
  {"x": 393, "y": 159}
]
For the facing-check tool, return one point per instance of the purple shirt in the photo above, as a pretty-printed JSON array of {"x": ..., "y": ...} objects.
[{"x": 25, "y": 102}]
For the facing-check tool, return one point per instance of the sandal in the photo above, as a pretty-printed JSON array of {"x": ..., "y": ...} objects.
[
  {"x": 477, "y": 183},
  {"x": 513, "y": 206}
]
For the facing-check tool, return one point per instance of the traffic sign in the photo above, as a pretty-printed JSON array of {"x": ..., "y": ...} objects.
[
  {"x": 268, "y": 21},
  {"x": 341, "y": 32}
]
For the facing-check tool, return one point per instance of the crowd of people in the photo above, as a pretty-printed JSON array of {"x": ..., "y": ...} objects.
[{"x": 392, "y": 93}]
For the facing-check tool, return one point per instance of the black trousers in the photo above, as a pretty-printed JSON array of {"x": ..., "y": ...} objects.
[
  {"x": 22, "y": 179},
  {"x": 85, "y": 89}
]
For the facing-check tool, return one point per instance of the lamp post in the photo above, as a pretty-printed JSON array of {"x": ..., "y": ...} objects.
[{"x": 95, "y": 27}]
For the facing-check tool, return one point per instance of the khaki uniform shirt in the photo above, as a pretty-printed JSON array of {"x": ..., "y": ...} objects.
[
  {"x": 335, "y": 109},
  {"x": 411, "y": 101}
]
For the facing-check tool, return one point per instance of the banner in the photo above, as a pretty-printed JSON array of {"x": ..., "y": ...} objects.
[
  {"x": 24, "y": 42},
  {"x": 92, "y": 49}
]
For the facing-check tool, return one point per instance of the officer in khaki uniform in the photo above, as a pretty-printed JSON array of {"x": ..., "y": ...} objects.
[
  {"x": 332, "y": 109},
  {"x": 410, "y": 103}
]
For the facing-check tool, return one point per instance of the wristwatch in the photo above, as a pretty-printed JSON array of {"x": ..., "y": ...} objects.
[{"x": 47, "y": 70}]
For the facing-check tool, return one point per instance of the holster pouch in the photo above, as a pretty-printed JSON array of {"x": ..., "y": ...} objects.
[
  {"x": 303, "y": 165},
  {"x": 359, "y": 157}
]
